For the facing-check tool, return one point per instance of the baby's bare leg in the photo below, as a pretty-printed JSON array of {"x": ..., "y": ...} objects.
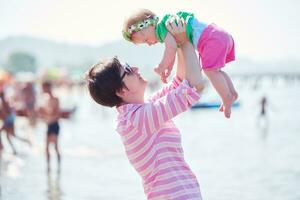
[
  {"x": 231, "y": 87},
  {"x": 230, "y": 84},
  {"x": 219, "y": 82}
]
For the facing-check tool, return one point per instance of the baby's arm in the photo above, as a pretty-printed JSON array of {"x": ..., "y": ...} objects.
[{"x": 165, "y": 66}]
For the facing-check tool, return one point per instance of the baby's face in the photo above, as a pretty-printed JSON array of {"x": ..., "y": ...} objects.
[{"x": 145, "y": 36}]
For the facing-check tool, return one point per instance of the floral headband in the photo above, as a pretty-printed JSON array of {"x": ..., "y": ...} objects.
[{"x": 150, "y": 20}]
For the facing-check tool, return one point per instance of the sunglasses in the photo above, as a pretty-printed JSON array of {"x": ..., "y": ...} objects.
[{"x": 127, "y": 70}]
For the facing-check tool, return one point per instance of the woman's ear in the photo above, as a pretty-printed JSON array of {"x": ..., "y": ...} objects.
[{"x": 121, "y": 93}]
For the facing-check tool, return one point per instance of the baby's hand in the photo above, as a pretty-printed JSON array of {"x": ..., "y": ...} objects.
[
  {"x": 160, "y": 71},
  {"x": 163, "y": 72}
]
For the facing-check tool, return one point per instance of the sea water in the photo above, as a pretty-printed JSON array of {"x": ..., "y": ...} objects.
[{"x": 242, "y": 158}]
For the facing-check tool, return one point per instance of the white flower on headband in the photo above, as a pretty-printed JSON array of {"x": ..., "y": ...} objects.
[{"x": 151, "y": 20}]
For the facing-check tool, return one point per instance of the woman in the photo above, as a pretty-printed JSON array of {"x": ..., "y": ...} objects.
[{"x": 152, "y": 141}]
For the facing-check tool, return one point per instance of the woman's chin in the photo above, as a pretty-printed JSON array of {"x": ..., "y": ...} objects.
[{"x": 143, "y": 80}]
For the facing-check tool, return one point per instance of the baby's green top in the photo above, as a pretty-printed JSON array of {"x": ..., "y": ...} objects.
[{"x": 161, "y": 29}]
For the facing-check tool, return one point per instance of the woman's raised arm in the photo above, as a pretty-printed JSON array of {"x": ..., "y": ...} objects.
[{"x": 188, "y": 62}]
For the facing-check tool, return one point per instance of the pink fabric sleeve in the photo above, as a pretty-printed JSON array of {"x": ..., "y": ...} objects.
[
  {"x": 162, "y": 92},
  {"x": 151, "y": 116}
]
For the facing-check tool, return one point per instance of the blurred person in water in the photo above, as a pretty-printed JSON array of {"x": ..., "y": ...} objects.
[
  {"x": 8, "y": 116},
  {"x": 29, "y": 99},
  {"x": 49, "y": 111}
]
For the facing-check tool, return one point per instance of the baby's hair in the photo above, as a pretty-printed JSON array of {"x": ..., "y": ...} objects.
[{"x": 137, "y": 16}]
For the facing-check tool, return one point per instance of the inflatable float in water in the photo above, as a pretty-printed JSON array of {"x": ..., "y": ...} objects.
[{"x": 211, "y": 105}]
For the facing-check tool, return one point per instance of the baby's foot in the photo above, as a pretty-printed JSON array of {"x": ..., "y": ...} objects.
[
  {"x": 221, "y": 109},
  {"x": 226, "y": 106},
  {"x": 234, "y": 96},
  {"x": 227, "y": 111}
]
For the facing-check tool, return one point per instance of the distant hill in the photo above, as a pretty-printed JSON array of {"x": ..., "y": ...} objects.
[{"x": 50, "y": 53}]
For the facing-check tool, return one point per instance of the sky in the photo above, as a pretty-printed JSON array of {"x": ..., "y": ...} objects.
[{"x": 263, "y": 29}]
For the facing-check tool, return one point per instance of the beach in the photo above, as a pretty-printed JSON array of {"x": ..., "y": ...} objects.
[{"x": 239, "y": 158}]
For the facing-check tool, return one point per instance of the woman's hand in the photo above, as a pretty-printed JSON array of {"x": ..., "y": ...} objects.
[{"x": 177, "y": 27}]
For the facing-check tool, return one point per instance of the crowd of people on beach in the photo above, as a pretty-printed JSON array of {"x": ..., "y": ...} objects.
[{"x": 36, "y": 103}]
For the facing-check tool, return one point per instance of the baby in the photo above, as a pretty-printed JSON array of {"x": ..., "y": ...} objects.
[{"x": 214, "y": 45}]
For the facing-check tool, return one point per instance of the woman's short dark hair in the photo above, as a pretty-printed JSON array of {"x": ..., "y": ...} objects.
[{"x": 104, "y": 80}]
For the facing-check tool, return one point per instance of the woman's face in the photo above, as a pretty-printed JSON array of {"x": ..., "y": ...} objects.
[{"x": 134, "y": 84}]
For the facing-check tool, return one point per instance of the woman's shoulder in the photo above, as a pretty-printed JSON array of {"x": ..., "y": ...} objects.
[{"x": 127, "y": 111}]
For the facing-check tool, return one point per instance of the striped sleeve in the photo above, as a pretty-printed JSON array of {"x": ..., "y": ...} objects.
[
  {"x": 156, "y": 113},
  {"x": 174, "y": 84}
]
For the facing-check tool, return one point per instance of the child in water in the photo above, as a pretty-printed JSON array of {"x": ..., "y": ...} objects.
[{"x": 214, "y": 45}]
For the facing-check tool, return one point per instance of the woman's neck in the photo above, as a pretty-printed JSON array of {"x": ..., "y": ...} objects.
[{"x": 134, "y": 101}]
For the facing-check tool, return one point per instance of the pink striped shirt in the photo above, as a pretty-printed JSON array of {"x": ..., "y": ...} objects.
[{"x": 153, "y": 144}]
